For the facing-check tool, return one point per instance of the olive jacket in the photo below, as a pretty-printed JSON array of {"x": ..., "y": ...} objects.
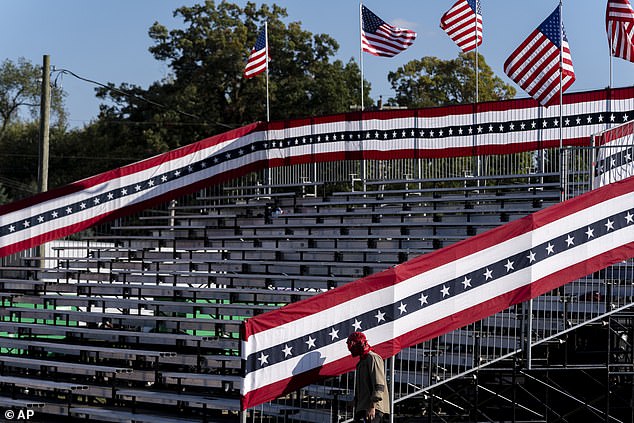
[{"x": 370, "y": 384}]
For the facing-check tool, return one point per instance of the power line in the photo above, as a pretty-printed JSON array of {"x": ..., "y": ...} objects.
[
  {"x": 135, "y": 96},
  {"x": 32, "y": 156},
  {"x": 163, "y": 123},
  {"x": 12, "y": 183},
  {"x": 116, "y": 90}
]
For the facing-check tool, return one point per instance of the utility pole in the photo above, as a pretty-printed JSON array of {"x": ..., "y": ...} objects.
[{"x": 45, "y": 116}]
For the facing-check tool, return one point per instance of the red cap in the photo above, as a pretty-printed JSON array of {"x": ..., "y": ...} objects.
[{"x": 358, "y": 344}]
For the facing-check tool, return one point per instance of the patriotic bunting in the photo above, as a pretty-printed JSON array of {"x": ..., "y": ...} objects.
[
  {"x": 502, "y": 127},
  {"x": 615, "y": 159},
  {"x": 438, "y": 292}
]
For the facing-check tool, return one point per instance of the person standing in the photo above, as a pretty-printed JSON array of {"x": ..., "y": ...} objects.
[{"x": 371, "y": 399}]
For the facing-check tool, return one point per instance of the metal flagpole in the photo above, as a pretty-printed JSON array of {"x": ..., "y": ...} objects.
[
  {"x": 563, "y": 159},
  {"x": 477, "y": 69},
  {"x": 610, "y": 86},
  {"x": 477, "y": 76},
  {"x": 266, "y": 38},
  {"x": 608, "y": 123},
  {"x": 561, "y": 71},
  {"x": 611, "y": 43},
  {"x": 268, "y": 174},
  {"x": 363, "y": 162},
  {"x": 361, "y": 48},
  {"x": 391, "y": 389},
  {"x": 477, "y": 100}
]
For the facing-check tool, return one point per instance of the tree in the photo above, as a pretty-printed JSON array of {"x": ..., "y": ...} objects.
[
  {"x": 4, "y": 198},
  {"x": 206, "y": 92},
  {"x": 20, "y": 88},
  {"x": 20, "y": 94},
  {"x": 431, "y": 81}
]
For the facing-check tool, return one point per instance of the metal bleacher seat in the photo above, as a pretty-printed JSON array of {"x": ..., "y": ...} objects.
[
  {"x": 132, "y": 338},
  {"x": 23, "y": 382},
  {"x": 116, "y": 415},
  {"x": 141, "y": 322},
  {"x": 176, "y": 287},
  {"x": 58, "y": 367},
  {"x": 177, "y": 399}
]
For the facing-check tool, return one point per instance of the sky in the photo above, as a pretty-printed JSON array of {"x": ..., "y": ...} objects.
[{"x": 107, "y": 41}]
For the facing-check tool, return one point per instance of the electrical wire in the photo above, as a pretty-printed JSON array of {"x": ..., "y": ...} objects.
[
  {"x": 164, "y": 123},
  {"x": 12, "y": 183},
  {"x": 93, "y": 158},
  {"x": 137, "y": 97}
]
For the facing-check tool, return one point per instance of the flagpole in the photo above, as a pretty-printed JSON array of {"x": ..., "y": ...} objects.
[
  {"x": 477, "y": 76},
  {"x": 610, "y": 86},
  {"x": 477, "y": 69},
  {"x": 563, "y": 159},
  {"x": 561, "y": 72},
  {"x": 361, "y": 47},
  {"x": 610, "y": 43},
  {"x": 266, "y": 38},
  {"x": 609, "y": 93},
  {"x": 363, "y": 162},
  {"x": 477, "y": 97},
  {"x": 267, "y": 173}
]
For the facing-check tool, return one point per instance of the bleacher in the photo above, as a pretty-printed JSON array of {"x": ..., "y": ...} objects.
[{"x": 145, "y": 325}]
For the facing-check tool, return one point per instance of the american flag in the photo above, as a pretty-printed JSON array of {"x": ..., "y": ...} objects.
[
  {"x": 381, "y": 39},
  {"x": 619, "y": 22},
  {"x": 463, "y": 24},
  {"x": 438, "y": 292},
  {"x": 535, "y": 65},
  {"x": 258, "y": 59}
]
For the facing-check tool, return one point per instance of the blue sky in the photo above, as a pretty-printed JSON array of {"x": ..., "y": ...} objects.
[{"x": 107, "y": 41}]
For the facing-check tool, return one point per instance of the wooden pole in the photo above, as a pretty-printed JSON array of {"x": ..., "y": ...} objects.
[
  {"x": 43, "y": 153},
  {"x": 45, "y": 115}
]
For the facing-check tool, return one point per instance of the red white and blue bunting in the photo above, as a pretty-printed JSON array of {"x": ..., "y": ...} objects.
[
  {"x": 615, "y": 159},
  {"x": 438, "y": 292},
  {"x": 488, "y": 128}
]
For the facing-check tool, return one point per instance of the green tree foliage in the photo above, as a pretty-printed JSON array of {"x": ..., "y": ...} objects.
[
  {"x": 19, "y": 164},
  {"x": 431, "y": 81},
  {"x": 20, "y": 95},
  {"x": 20, "y": 92},
  {"x": 74, "y": 155},
  {"x": 4, "y": 197},
  {"x": 206, "y": 92}
]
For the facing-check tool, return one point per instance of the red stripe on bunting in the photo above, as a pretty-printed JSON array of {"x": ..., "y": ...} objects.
[{"x": 616, "y": 133}]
